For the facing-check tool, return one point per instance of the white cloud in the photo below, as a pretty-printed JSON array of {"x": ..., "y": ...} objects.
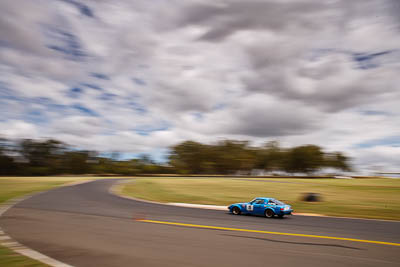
[
  {"x": 167, "y": 71},
  {"x": 378, "y": 159},
  {"x": 18, "y": 129}
]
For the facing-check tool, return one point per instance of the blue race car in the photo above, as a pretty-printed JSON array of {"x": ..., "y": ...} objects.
[{"x": 269, "y": 207}]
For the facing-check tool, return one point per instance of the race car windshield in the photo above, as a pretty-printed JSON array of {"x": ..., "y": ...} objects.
[{"x": 278, "y": 202}]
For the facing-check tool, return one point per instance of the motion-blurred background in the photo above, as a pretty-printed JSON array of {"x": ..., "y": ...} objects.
[{"x": 86, "y": 86}]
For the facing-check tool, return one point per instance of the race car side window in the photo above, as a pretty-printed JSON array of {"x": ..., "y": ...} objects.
[{"x": 259, "y": 201}]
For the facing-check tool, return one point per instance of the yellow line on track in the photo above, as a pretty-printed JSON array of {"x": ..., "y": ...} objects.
[{"x": 269, "y": 232}]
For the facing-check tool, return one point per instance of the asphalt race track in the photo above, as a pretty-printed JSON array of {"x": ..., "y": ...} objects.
[{"x": 84, "y": 225}]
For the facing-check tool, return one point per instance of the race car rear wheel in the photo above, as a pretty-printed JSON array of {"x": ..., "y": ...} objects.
[
  {"x": 236, "y": 211},
  {"x": 269, "y": 213}
]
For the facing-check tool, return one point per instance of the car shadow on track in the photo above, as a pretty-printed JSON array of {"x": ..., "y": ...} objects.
[
  {"x": 287, "y": 217},
  {"x": 296, "y": 243}
]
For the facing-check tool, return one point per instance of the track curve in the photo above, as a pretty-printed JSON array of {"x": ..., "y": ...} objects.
[{"x": 85, "y": 225}]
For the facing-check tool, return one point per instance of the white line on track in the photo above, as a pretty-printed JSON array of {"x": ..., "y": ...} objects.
[{"x": 116, "y": 190}]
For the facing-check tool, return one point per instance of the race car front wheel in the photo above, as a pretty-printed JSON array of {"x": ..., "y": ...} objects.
[
  {"x": 236, "y": 211},
  {"x": 269, "y": 213}
]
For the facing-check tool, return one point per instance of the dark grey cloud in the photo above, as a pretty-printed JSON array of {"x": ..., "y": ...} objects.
[
  {"x": 282, "y": 34},
  {"x": 273, "y": 121},
  {"x": 229, "y": 17},
  {"x": 337, "y": 82},
  {"x": 140, "y": 75},
  {"x": 15, "y": 34},
  {"x": 394, "y": 9}
]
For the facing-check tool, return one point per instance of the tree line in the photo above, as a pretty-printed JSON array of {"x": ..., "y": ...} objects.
[
  {"x": 230, "y": 157},
  {"x": 51, "y": 157}
]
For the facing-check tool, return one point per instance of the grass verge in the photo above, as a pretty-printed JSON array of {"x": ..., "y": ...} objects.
[
  {"x": 13, "y": 187},
  {"x": 11, "y": 259},
  {"x": 361, "y": 198}
]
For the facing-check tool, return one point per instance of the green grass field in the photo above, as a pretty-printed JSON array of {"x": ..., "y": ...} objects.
[
  {"x": 12, "y": 187},
  {"x": 362, "y": 198}
]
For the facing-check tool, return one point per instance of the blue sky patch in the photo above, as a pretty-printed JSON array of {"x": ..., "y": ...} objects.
[
  {"x": 367, "y": 60},
  {"x": 362, "y": 60},
  {"x": 68, "y": 45},
  {"x": 36, "y": 116},
  {"x": 74, "y": 92},
  {"x": 374, "y": 113},
  {"x": 147, "y": 131},
  {"x": 84, "y": 110},
  {"x": 158, "y": 155},
  {"x": 137, "y": 107},
  {"x": 198, "y": 116},
  {"x": 42, "y": 100},
  {"x": 219, "y": 106},
  {"x": 84, "y": 9},
  {"x": 139, "y": 81},
  {"x": 92, "y": 86},
  {"x": 6, "y": 92},
  {"x": 317, "y": 53},
  {"x": 100, "y": 76},
  {"x": 393, "y": 141},
  {"x": 107, "y": 96}
]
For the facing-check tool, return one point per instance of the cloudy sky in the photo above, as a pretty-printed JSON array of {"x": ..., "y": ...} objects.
[{"x": 138, "y": 76}]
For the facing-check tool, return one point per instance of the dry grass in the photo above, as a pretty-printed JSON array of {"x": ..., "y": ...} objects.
[{"x": 364, "y": 198}]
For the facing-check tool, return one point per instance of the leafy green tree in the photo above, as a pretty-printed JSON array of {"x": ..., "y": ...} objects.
[
  {"x": 76, "y": 162},
  {"x": 47, "y": 157},
  {"x": 304, "y": 159},
  {"x": 186, "y": 157},
  {"x": 43, "y": 157},
  {"x": 233, "y": 156},
  {"x": 270, "y": 157},
  {"x": 7, "y": 164},
  {"x": 225, "y": 157},
  {"x": 338, "y": 161}
]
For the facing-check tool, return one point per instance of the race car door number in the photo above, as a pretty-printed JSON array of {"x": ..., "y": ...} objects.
[{"x": 249, "y": 207}]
